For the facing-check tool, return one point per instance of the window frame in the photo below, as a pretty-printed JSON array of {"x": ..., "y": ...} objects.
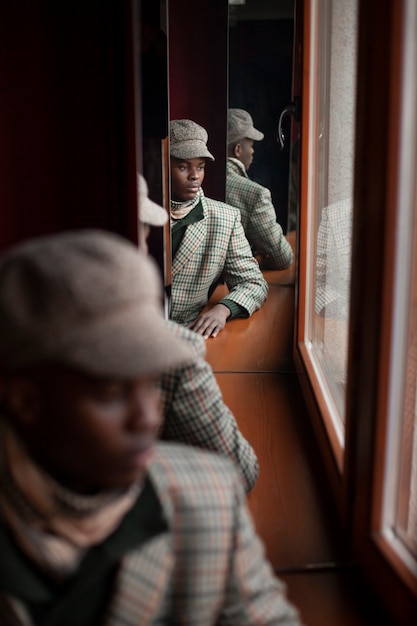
[
  {"x": 369, "y": 452},
  {"x": 357, "y": 476},
  {"x": 317, "y": 391}
]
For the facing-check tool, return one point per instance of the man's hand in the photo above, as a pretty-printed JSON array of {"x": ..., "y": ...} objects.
[{"x": 210, "y": 323}]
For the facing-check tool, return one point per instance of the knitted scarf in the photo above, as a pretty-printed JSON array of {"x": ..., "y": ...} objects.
[
  {"x": 53, "y": 526},
  {"x": 181, "y": 209}
]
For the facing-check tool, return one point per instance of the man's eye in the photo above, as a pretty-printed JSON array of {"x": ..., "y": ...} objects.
[
  {"x": 111, "y": 394},
  {"x": 155, "y": 383}
]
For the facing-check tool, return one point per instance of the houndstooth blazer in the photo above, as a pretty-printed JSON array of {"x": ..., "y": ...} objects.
[
  {"x": 333, "y": 259},
  {"x": 194, "y": 411},
  {"x": 208, "y": 568},
  {"x": 258, "y": 216},
  {"x": 213, "y": 247}
]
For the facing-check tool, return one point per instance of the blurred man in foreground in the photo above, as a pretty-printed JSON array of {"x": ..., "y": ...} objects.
[{"x": 98, "y": 523}]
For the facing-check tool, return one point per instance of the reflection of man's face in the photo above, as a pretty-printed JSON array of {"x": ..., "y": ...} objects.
[
  {"x": 186, "y": 178},
  {"x": 244, "y": 152},
  {"x": 92, "y": 433}
]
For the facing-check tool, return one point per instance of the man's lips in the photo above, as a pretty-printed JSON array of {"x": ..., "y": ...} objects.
[{"x": 139, "y": 455}]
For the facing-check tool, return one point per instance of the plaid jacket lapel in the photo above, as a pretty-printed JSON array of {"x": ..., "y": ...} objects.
[
  {"x": 145, "y": 579},
  {"x": 195, "y": 235}
]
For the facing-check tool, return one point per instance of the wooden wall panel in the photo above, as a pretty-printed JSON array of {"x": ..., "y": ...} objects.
[
  {"x": 261, "y": 343},
  {"x": 289, "y": 503},
  {"x": 67, "y": 118},
  {"x": 198, "y": 85}
]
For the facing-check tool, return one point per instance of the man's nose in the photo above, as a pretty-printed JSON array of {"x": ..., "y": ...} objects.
[
  {"x": 143, "y": 410},
  {"x": 194, "y": 173}
]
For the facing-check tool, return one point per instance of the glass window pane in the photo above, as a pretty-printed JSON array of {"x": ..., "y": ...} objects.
[
  {"x": 402, "y": 504},
  {"x": 336, "y": 128},
  {"x": 407, "y": 488},
  {"x": 399, "y": 485},
  {"x": 400, "y": 477}
]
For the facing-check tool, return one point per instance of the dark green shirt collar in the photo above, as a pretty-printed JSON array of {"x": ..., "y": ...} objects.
[
  {"x": 83, "y": 597},
  {"x": 179, "y": 227}
]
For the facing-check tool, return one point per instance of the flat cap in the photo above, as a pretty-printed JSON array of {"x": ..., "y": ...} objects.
[
  {"x": 240, "y": 126},
  {"x": 149, "y": 211},
  {"x": 89, "y": 299},
  {"x": 188, "y": 140}
]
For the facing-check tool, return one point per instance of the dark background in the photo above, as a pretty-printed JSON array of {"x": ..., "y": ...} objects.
[{"x": 260, "y": 81}]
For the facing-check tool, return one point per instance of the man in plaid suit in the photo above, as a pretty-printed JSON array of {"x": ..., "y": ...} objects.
[
  {"x": 208, "y": 242},
  {"x": 334, "y": 246},
  {"x": 195, "y": 413},
  {"x": 192, "y": 403},
  {"x": 98, "y": 524},
  {"x": 254, "y": 201}
]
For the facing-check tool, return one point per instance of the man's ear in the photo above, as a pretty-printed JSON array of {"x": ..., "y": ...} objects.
[
  {"x": 237, "y": 150},
  {"x": 22, "y": 398}
]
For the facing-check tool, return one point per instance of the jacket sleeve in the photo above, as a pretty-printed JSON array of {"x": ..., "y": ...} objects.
[
  {"x": 219, "y": 571},
  {"x": 333, "y": 260},
  {"x": 195, "y": 413},
  {"x": 254, "y": 595},
  {"x": 241, "y": 273},
  {"x": 265, "y": 234}
]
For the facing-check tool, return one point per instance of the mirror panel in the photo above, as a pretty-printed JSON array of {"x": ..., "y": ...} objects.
[
  {"x": 260, "y": 82},
  {"x": 198, "y": 77}
]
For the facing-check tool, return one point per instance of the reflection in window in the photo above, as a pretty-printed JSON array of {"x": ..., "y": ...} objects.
[
  {"x": 407, "y": 509},
  {"x": 399, "y": 487},
  {"x": 338, "y": 44},
  {"x": 332, "y": 291},
  {"x": 406, "y": 523}
]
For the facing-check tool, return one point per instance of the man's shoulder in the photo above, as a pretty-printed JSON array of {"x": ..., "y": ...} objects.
[
  {"x": 198, "y": 473},
  {"x": 237, "y": 182},
  {"x": 173, "y": 454},
  {"x": 216, "y": 208},
  {"x": 190, "y": 481},
  {"x": 339, "y": 211},
  {"x": 191, "y": 337},
  {"x": 235, "y": 167}
]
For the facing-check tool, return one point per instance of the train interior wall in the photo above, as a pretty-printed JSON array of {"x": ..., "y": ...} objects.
[
  {"x": 67, "y": 119},
  {"x": 291, "y": 503},
  {"x": 68, "y": 159}
]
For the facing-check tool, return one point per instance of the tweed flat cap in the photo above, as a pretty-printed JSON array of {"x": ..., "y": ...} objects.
[
  {"x": 149, "y": 211},
  {"x": 188, "y": 140},
  {"x": 240, "y": 126},
  {"x": 88, "y": 299}
]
